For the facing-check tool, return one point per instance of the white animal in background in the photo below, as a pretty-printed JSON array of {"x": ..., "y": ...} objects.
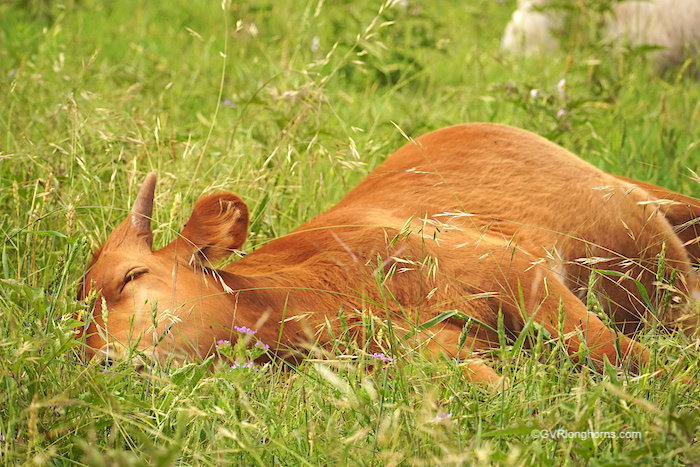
[
  {"x": 531, "y": 28},
  {"x": 673, "y": 25}
]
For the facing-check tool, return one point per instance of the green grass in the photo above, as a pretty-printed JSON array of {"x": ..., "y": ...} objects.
[{"x": 94, "y": 94}]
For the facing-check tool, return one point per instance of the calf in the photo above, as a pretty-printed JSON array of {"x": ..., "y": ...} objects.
[{"x": 482, "y": 219}]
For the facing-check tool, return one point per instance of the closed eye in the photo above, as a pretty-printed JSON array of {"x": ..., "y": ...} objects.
[{"x": 133, "y": 275}]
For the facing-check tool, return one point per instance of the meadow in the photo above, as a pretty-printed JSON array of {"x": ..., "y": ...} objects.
[{"x": 289, "y": 104}]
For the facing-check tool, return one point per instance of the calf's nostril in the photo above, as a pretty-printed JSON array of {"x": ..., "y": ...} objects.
[
  {"x": 106, "y": 356},
  {"x": 109, "y": 355},
  {"x": 141, "y": 366}
]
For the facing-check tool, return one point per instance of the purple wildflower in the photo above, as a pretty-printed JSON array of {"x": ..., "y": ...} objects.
[
  {"x": 382, "y": 357},
  {"x": 561, "y": 113},
  {"x": 244, "y": 330},
  {"x": 442, "y": 416},
  {"x": 2, "y": 438},
  {"x": 222, "y": 343},
  {"x": 228, "y": 103},
  {"x": 262, "y": 345},
  {"x": 242, "y": 365}
]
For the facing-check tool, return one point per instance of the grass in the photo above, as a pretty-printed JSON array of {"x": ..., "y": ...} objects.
[{"x": 289, "y": 104}]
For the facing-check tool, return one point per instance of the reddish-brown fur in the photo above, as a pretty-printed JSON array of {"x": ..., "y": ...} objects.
[{"x": 480, "y": 218}]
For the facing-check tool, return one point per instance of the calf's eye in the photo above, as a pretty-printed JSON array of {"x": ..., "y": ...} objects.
[{"x": 133, "y": 275}]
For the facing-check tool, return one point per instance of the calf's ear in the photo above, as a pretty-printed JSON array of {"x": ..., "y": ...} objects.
[
  {"x": 135, "y": 234},
  {"x": 217, "y": 227}
]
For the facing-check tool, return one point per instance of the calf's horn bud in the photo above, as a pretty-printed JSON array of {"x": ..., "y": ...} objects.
[{"x": 142, "y": 210}]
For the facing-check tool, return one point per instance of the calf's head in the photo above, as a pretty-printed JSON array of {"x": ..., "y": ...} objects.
[{"x": 162, "y": 301}]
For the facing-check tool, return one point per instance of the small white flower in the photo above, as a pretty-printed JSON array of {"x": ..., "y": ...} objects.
[
  {"x": 315, "y": 44},
  {"x": 561, "y": 87},
  {"x": 534, "y": 93}
]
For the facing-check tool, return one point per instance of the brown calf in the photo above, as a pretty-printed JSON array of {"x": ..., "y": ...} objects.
[{"x": 484, "y": 219}]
